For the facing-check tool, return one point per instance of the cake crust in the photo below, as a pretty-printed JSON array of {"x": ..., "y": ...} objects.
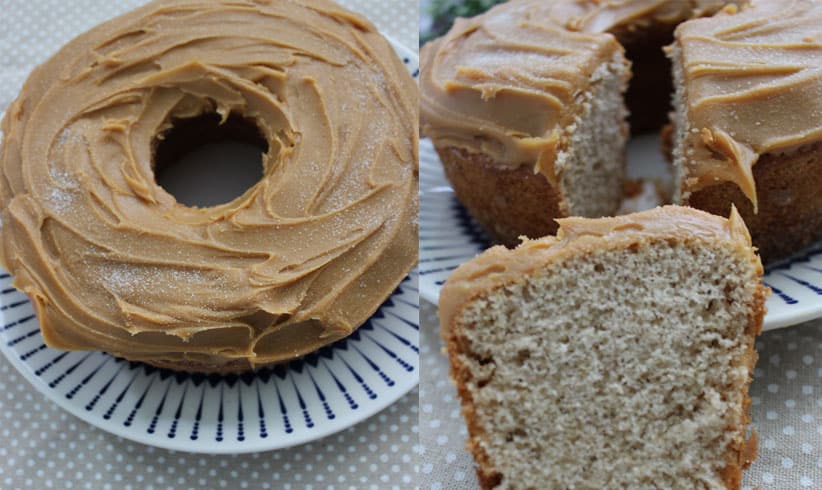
[{"x": 508, "y": 203}]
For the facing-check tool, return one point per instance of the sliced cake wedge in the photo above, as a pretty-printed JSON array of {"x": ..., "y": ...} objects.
[{"x": 617, "y": 354}]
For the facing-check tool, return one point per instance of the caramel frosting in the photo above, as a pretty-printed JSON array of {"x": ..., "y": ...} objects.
[
  {"x": 506, "y": 83},
  {"x": 501, "y": 83},
  {"x": 112, "y": 262},
  {"x": 499, "y": 266},
  {"x": 753, "y": 85}
]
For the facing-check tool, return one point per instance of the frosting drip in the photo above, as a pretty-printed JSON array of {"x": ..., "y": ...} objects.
[
  {"x": 112, "y": 262},
  {"x": 753, "y": 83}
]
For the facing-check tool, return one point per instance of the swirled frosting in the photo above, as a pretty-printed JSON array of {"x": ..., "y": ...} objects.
[
  {"x": 506, "y": 83},
  {"x": 752, "y": 85},
  {"x": 112, "y": 262}
]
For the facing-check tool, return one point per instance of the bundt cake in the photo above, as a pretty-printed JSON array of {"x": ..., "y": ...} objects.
[
  {"x": 112, "y": 262},
  {"x": 524, "y": 105}
]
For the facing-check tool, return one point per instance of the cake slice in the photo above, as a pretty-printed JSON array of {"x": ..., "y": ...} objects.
[
  {"x": 615, "y": 355},
  {"x": 527, "y": 117},
  {"x": 748, "y": 119}
]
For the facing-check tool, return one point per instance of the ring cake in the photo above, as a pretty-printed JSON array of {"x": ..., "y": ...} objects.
[
  {"x": 524, "y": 105},
  {"x": 112, "y": 262}
]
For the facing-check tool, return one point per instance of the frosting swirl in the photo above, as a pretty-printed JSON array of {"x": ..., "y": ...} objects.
[{"x": 112, "y": 262}]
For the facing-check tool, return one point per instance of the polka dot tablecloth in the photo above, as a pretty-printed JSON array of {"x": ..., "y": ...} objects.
[
  {"x": 786, "y": 410},
  {"x": 43, "y": 447}
]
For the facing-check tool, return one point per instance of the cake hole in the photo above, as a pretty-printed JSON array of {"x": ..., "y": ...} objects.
[{"x": 203, "y": 163}]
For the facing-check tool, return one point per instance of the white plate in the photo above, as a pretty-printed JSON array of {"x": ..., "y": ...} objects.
[
  {"x": 289, "y": 404},
  {"x": 449, "y": 237}
]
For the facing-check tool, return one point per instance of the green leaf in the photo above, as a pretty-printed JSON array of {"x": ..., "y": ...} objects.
[{"x": 443, "y": 13}]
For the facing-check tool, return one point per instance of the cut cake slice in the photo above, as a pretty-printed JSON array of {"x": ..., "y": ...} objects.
[{"x": 615, "y": 355}]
